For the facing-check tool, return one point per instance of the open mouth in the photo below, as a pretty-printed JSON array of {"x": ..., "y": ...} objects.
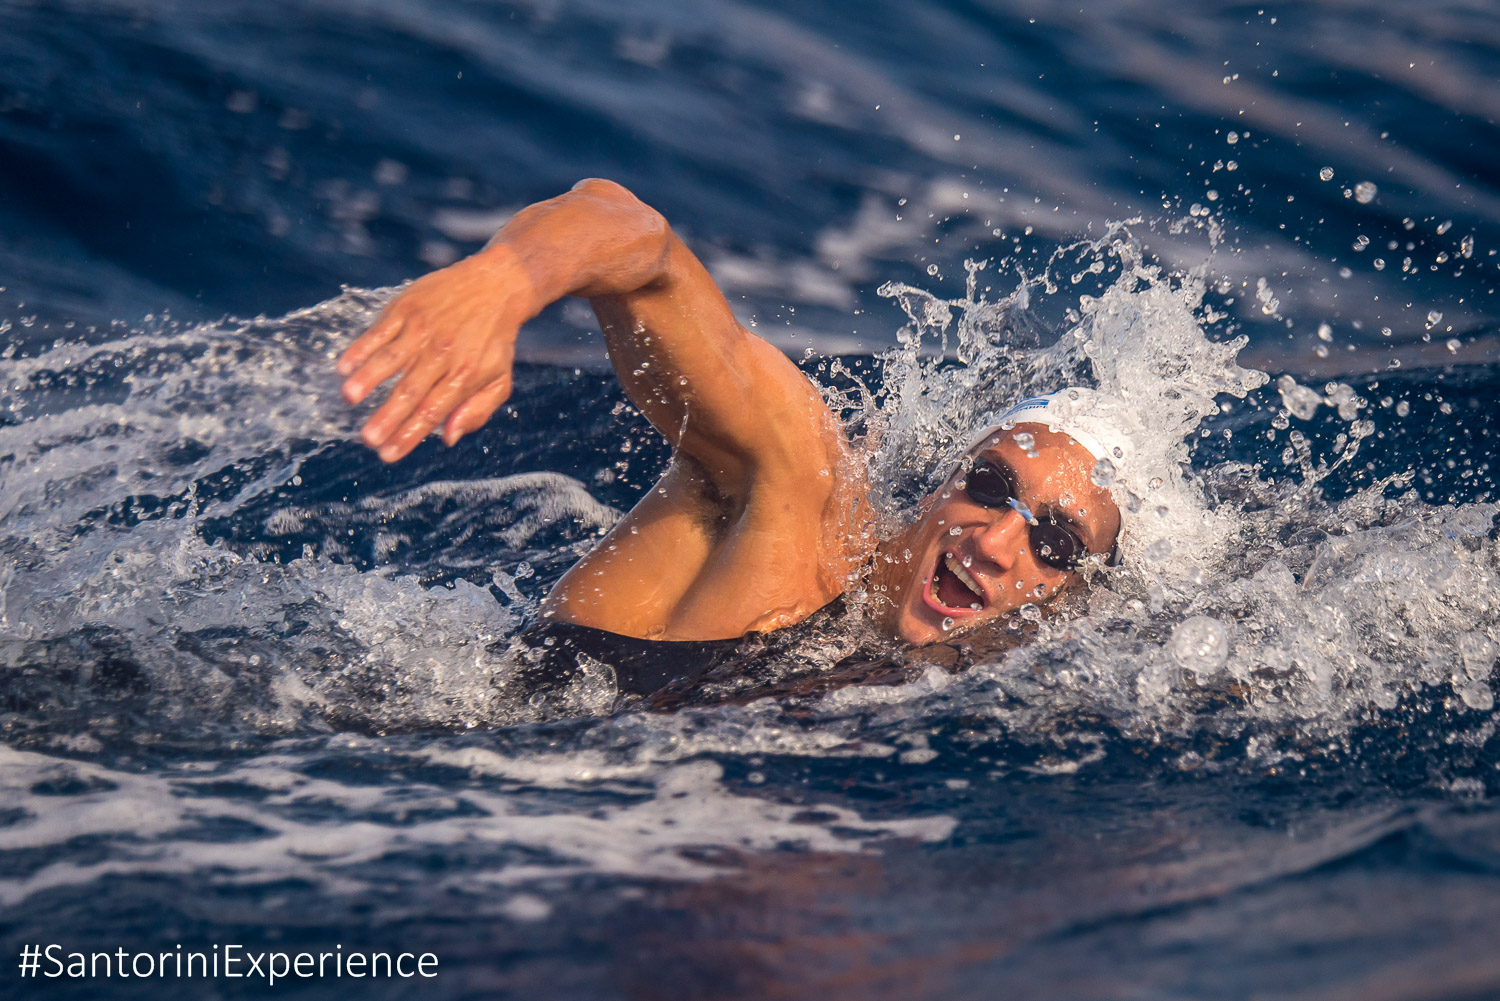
[{"x": 952, "y": 590}]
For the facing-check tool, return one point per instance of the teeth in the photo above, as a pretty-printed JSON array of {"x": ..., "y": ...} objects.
[{"x": 958, "y": 570}]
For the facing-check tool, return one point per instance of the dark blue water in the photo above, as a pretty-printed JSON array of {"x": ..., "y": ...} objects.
[
  {"x": 247, "y": 673},
  {"x": 253, "y": 158}
]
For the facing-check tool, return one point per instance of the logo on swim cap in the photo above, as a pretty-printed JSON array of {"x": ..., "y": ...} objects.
[{"x": 1033, "y": 403}]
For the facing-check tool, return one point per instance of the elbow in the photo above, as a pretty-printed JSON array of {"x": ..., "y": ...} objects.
[
  {"x": 618, "y": 198},
  {"x": 600, "y": 187},
  {"x": 645, "y": 231}
]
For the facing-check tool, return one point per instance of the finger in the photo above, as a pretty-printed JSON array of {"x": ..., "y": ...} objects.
[
  {"x": 381, "y": 333},
  {"x": 436, "y": 405},
  {"x": 477, "y": 410},
  {"x": 498, "y": 361},
  {"x": 403, "y": 400},
  {"x": 385, "y": 363}
]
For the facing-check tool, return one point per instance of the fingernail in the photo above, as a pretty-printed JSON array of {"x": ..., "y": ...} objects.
[{"x": 389, "y": 454}]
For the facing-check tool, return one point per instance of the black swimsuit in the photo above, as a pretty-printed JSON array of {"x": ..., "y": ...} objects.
[
  {"x": 641, "y": 666},
  {"x": 548, "y": 656}
]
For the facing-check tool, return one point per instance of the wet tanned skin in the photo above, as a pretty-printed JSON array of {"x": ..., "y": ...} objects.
[{"x": 761, "y": 517}]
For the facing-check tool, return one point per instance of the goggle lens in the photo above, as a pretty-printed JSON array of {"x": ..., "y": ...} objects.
[{"x": 1053, "y": 543}]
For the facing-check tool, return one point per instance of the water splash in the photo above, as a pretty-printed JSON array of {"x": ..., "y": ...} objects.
[
  {"x": 1258, "y": 613},
  {"x": 137, "y": 604}
]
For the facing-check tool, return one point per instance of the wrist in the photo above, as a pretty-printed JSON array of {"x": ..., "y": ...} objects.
[{"x": 501, "y": 266}]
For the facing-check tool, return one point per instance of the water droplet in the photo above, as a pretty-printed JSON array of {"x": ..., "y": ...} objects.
[
  {"x": 955, "y": 530},
  {"x": 1478, "y": 653},
  {"x": 932, "y": 269},
  {"x": 1444, "y": 226},
  {"x": 1159, "y": 550},
  {"x": 1104, "y": 473},
  {"x": 1326, "y": 174},
  {"x": 1301, "y": 401},
  {"x": 1201, "y": 644},
  {"x": 1325, "y": 332},
  {"x": 1453, "y": 344},
  {"x": 1365, "y": 192},
  {"x": 1232, "y": 138},
  {"x": 1476, "y": 696},
  {"x": 1433, "y": 318},
  {"x": 947, "y": 623}
]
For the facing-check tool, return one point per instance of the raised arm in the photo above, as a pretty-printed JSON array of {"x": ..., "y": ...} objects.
[{"x": 723, "y": 396}]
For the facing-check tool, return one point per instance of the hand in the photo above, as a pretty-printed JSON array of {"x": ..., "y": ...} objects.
[{"x": 451, "y": 336}]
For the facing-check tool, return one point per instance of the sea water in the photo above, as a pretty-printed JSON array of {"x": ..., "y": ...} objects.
[
  {"x": 244, "y": 664},
  {"x": 251, "y": 680}
]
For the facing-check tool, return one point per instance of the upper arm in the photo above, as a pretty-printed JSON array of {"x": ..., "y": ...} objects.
[{"x": 727, "y": 398}]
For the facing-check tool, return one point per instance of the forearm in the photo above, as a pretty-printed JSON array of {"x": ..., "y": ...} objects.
[
  {"x": 728, "y": 398},
  {"x": 722, "y": 395},
  {"x": 596, "y": 240},
  {"x": 600, "y": 242}
]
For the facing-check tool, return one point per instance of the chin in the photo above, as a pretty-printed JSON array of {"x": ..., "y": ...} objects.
[
  {"x": 915, "y": 633},
  {"x": 922, "y": 627}
]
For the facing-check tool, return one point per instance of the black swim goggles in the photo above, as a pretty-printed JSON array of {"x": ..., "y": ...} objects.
[{"x": 1053, "y": 542}]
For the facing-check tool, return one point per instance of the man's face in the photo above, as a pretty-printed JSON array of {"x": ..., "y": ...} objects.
[{"x": 1006, "y": 529}]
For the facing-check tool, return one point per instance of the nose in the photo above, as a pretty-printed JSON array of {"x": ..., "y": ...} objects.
[{"x": 1002, "y": 540}]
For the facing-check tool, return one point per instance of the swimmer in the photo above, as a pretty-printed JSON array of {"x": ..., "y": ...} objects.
[{"x": 761, "y": 517}]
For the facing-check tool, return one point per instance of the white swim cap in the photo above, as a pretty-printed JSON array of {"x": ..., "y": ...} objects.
[
  {"x": 1155, "y": 503},
  {"x": 1060, "y": 412}
]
